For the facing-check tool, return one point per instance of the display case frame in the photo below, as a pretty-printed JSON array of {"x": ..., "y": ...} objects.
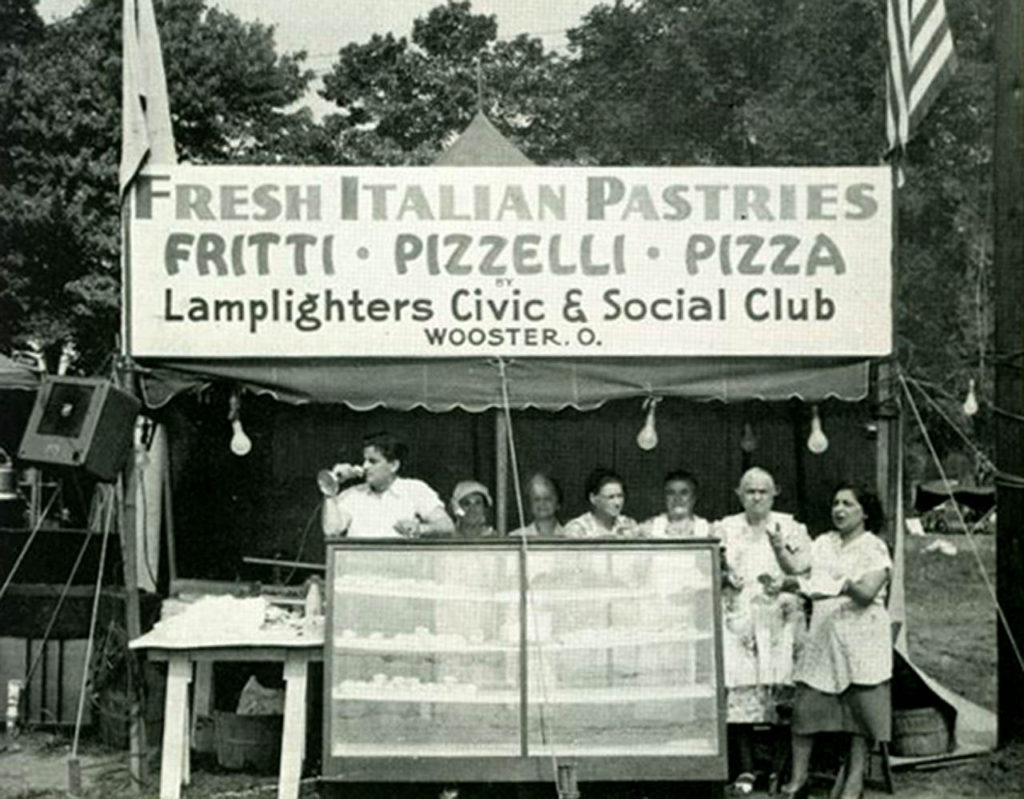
[{"x": 523, "y": 760}]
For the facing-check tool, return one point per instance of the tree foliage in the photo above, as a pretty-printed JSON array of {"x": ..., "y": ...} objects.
[
  {"x": 60, "y": 99},
  {"x": 402, "y": 99},
  {"x": 787, "y": 82},
  {"x": 687, "y": 82}
]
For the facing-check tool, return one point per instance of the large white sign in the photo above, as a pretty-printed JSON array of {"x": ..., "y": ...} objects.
[{"x": 429, "y": 262}]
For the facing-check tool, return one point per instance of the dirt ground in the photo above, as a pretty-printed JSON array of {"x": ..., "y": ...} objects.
[{"x": 35, "y": 766}]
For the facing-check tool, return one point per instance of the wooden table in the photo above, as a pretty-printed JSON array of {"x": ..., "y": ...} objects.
[{"x": 199, "y": 656}]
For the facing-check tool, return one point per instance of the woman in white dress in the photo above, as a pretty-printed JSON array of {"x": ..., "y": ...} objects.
[
  {"x": 760, "y": 625},
  {"x": 844, "y": 667}
]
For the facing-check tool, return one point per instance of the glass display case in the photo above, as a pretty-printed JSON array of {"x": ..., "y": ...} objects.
[{"x": 487, "y": 660}]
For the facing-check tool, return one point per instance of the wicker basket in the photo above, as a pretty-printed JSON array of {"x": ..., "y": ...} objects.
[{"x": 919, "y": 732}]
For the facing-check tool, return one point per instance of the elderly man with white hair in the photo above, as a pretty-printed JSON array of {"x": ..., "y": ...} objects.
[{"x": 760, "y": 624}]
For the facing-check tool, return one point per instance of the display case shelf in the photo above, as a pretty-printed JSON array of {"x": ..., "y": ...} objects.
[
  {"x": 677, "y": 748},
  {"x": 470, "y": 660},
  {"x": 617, "y": 642},
  {"x": 448, "y": 694},
  {"x": 441, "y": 695},
  {"x": 413, "y": 589},
  {"x": 427, "y": 646},
  {"x": 409, "y": 589},
  {"x": 424, "y": 647},
  {"x": 416, "y": 751}
]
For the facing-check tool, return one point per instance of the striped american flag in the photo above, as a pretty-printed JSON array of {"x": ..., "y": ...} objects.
[{"x": 921, "y": 60}]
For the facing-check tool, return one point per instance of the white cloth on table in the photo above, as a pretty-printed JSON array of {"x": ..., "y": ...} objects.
[
  {"x": 374, "y": 513},
  {"x": 847, "y": 643}
]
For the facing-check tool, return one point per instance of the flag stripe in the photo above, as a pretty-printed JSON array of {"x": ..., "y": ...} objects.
[
  {"x": 897, "y": 73},
  {"x": 926, "y": 48},
  {"x": 927, "y": 14},
  {"x": 920, "y": 62},
  {"x": 926, "y": 72},
  {"x": 926, "y": 98}
]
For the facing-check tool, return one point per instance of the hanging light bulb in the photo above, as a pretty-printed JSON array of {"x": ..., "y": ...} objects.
[
  {"x": 647, "y": 438},
  {"x": 817, "y": 441},
  {"x": 971, "y": 403},
  {"x": 748, "y": 442},
  {"x": 241, "y": 444}
]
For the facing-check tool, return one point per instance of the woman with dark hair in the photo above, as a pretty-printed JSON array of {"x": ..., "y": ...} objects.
[
  {"x": 678, "y": 520},
  {"x": 844, "y": 667},
  {"x": 606, "y": 492}
]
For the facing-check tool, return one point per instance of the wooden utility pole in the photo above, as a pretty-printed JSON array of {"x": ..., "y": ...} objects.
[{"x": 1009, "y": 360}]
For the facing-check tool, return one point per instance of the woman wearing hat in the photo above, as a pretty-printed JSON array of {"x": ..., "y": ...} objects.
[{"x": 471, "y": 504}]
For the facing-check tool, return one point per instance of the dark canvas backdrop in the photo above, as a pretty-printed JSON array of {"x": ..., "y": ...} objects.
[{"x": 267, "y": 503}]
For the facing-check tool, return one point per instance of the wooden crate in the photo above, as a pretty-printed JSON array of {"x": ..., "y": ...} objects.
[{"x": 51, "y": 697}]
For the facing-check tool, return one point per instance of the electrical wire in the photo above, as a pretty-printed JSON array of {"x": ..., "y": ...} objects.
[
  {"x": 921, "y": 381},
  {"x": 967, "y": 530},
  {"x": 1003, "y": 478},
  {"x": 547, "y": 739},
  {"x": 1008, "y": 414},
  {"x": 938, "y": 409},
  {"x": 302, "y": 543}
]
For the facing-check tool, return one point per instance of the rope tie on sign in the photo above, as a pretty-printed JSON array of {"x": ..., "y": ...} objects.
[
  {"x": 1004, "y": 623},
  {"x": 546, "y": 738}
]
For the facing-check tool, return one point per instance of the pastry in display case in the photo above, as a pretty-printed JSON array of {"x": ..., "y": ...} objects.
[{"x": 484, "y": 659}]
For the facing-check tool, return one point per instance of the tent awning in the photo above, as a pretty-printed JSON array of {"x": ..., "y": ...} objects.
[
  {"x": 481, "y": 144},
  {"x": 935, "y": 492},
  {"x": 475, "y": 384}
]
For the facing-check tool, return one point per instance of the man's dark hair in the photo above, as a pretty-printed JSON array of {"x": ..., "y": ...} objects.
[
  {"x": 391, "y": 447},
  {"x": 599, "y": 478}
]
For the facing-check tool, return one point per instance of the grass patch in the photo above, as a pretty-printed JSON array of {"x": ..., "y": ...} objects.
[{"x": 951, "y": 622}]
